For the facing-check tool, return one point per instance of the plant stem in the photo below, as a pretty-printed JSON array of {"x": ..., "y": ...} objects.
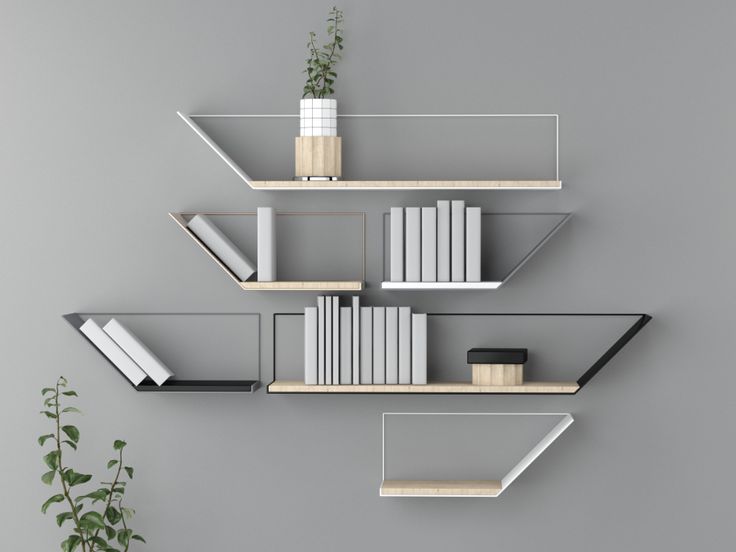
[
  {"x": 109, "y": 497},
  {"x": 122, "y": 518}
]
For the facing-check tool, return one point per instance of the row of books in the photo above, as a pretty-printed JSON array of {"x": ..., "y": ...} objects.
[
  {"x": 123, "y": 348},
  {"x": 231, "y": 256},
  {"x": 436, "y": 244},
  {"x": 351, "y": 345}
]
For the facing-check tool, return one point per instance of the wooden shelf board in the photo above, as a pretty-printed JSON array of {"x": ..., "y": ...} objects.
[
  {"x": 336, "y": 285},
  {"x": 295, "y": 386},
  {"x": 411, "y": 487},
  {"x": 419, "y": 286},
  {"x": 405, "y": 184}
]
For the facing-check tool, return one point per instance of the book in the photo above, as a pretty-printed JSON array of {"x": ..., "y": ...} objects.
[
  {"x": 366, "y": 345},
  {"x": 346, "y": 345},
  {"x": 138, "y": 351},
  {"x": 335, "y": 340},
  {"x": 413, "y": 265},
  {"x": 472, "y": 244},
  {"x": 321, "y": 301},
  {"x": 457, "y": 241},
  {"x": 419, "y": 349},
  {"x": 392, "y": 345},
  {"x": 356, "y": 340},
  {"x": 429, "y": 244},
  {"x": 379, "y": 345},
  {"x": 310, "y": 345},
  {"x": 404, "y": 344},
  {"x": 266, "y": 244},
  {"x": 221, "y": 247},
  {"x": 328, "y": 340},
  {"x": 397, "y": 244},
  {"x": 112, "y": 351},
  {"x": 443, "y": 240}
]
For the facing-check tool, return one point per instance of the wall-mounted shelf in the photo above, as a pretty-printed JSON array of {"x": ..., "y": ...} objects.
[
  {"x": 181, "y": 220},
  {"x": 552, "y": 184},
  {"x": 530, "y": 387},
  {"x": 421, "y": 286},
  {"x": 410, "y": 487}
]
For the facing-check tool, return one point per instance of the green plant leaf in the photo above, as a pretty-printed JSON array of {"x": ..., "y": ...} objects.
[
  {"x": 128, "y": 513},
  {"x": 113, "y": 515},
  {"x": 70, "y": 443},
  {"x": 52, "y": 459},
  {"x": 47, "y": 390},
  {"x": 129, "y": 471},
  {"x": 138, "y": 538},
  {"x": 71, "y": 543},
  {"x": 62, "y": 381},
  {"x": 124, "y": 536},
  {"x": 110, "y": 532},
  {"x": 72, "y": 432},
  {"x": 93, "y": 520},
  {"x": 62, "y": 517},
  {"x": 49, "y": 414},
  {"x": 118, "y": 444},
  {"x": 54, "y": 499},
  {"x": 50, "y": 402},
  {"x": 48, "y": 477},
  {"x": 72, "y": 409},
  {"x": 70, "y": 393},
  {"x": 74, "y": 478},
  {"x": 43, "y": 438},
  {"x": 94, "y": 496},
  {"x": 111, "y": 463}
]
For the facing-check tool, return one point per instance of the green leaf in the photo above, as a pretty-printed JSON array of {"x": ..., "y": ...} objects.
[
  {"x": 118, "y": 444},
  {"x": 62, "y": 517},
  {"x": 129, "y": 471},
  {"x": 47, "y": 390},
  {"x": 138, "y": 538},
  {"x": 50, "y": 501},
  {"x": 52, "y": 459},
  {"x": 72, "y": 409},
  {"x": 49, "y": 414},
  {"x": 50, "y": 402},
  {"x": 74, "y": 478},
  {"x": 72, "y": 432},
  {"x": 43, "y": 438},
  {"x": 112, "y": 515},
  {"x": 111, "y": 463},
  {"x": 70, "y": 393},
  {"x": 124, "y": 536},
  {"x": 71, "y": 543},
  {"x": 94, "y": 496},
  {"x": 70, "y": 443},
  {"x": 62, "y": 381},
  {"x": 127, "y": 512},
  {"x": 110, "y": 532},
  {"x": 48, "y": 477},
  {"x": 93, "y": 520}
]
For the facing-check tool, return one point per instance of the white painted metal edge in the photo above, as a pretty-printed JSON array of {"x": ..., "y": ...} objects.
[{"x": 440, "y": 285}]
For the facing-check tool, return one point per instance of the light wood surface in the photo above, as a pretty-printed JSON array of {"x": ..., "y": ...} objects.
[
  {"x": 337, "y": 285},
  {"x": 498, "y": 374},
  {"x": 318, "y": 156},
  {"x": 411, "y": 487},
  {"x": 405, "y": 184},
  {"x": 295, "y": 386}
]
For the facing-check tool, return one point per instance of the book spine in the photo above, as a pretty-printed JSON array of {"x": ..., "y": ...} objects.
[
  {"x": 443, "y": 241},
  {"x": 266, "y": 244},
  {"x": 346, "y": 346},
  {"x": 321, "y": 302},
  {"x": 472, "y": 244},
  {"x": 419, "y": 349},
  {"x": 397, "y": 244},
  {"x": 413, "y": 266},
  {"x": 328, "y": 340},
  {"x": 366, "y": 345},
  {"x": 136, "y": 350},
  {"x": 336, "y": 340},
  {"x": 405, "y": 345},
  {"x": 113, "y": 352},
  {"x": 310, "y": 345},
  {"x": 356, "y": 340},
  {"x": 392, "y": 345},
  {"x": 221, "y": 247},
  {"x": 429, "y": 244},
  {"x": 457, "y": 245},
  {"x": 379, "y": 345}
]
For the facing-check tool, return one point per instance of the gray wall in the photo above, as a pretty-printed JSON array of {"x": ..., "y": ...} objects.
[{"x": 92, "y": 156}]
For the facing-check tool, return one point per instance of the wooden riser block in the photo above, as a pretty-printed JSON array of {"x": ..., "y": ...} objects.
[
  {"x": 498, "y": 374},
  {"x": 318, "y": 156}
]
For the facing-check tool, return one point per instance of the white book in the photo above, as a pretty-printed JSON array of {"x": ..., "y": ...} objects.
[
  {"x": 346, "y": 345},
  {"x": 366, "y": 345},
  {"x": 457, "y": 239},
  {"x": 310, "y": 345},
  {"x": 266, "y": 244},
  {"x": 336, "y": 340},
  {"x": 404, "y": 344},
  {"x": 472, "y": 244},
  {"x": 112, "y": 351},
  {"x": 136, "y": 350},
  {"x": 419, "y": 349},
  {"x": 392, "y": 345},
  {"x": 443, "y": 240},
  {"x": 321, "y": 301},
  {"x": 413, "y": 265},
  {"x": 429, "y": 244},
  {"x": 397, "y": 244},
  {"x": 379, "y": 345},
  {"x": 356, "y": 340},
  {"x": 328, "y": 340},
  {"x": 221, "y": 247}
]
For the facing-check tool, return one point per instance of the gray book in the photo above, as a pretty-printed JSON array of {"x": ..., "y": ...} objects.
[
  {"x": 443, "y": 240},
  {"x": 266, "y": 244},
  {"x": 405, "y": 345},
  {"x": 392, "y": 345},
  {"x": 137, "y": 350},
  {"x": 472, "y": 244},
  {"x": 336, "y": 340},
  {"x": 366, "y": 345},
  {"x": 221, "y": 247},
  {"x": 419, "y": 349},
  {"x": 379, "y": 345},
  {"x": 112, "y": 351},
  {"x": 356, "y": 340},
  {"x": 397, "y": 244},
  {"x": 346, "y": 345},
  {"x": 457, "y": 239},
  {"x": 310, "y": 345},
  {"x": 429, "y": 244},
  {"x": 328, "y": 340},
  {"x": 413, "y": 265},
  {"x": 321, "y": 302}
]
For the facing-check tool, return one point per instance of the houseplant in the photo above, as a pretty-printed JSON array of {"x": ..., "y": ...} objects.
[
  {"x": 318, "y": 147},
  {"x": 98, "y": 518}
]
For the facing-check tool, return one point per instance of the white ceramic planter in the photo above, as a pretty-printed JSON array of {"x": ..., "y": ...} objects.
[{"x": 318, "y": 117}]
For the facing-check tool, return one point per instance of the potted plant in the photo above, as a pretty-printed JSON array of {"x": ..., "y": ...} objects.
[{"x": 318, "y": 147}]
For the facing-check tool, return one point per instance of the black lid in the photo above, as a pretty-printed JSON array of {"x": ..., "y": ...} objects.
[{"x": 497, "y": 356}]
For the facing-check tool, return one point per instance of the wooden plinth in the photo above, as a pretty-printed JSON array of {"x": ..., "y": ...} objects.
[
  {"x": 498, "y": 374},
  {"x": 318, "y": 156}
]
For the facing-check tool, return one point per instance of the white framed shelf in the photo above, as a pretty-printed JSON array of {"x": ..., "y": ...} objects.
[{"x": 420, "y": 286}]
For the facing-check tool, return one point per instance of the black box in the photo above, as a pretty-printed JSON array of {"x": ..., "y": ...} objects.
[{"x": 497, "y": 356}]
